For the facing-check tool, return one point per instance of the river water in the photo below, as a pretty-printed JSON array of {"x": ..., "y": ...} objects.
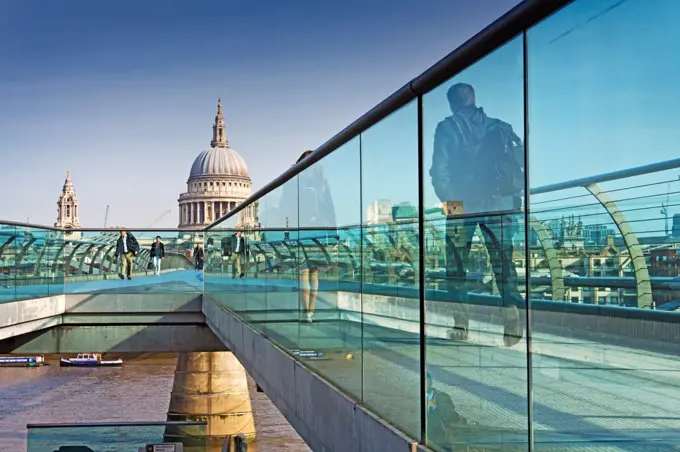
[{"x": 137, "y": 391}]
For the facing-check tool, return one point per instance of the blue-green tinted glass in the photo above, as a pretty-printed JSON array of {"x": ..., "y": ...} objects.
[
  {"x": 27, "y": 263},
  {"x": 389, "y": 306},
  {"x": 8, "y": 234},
  {"x": 603, "y": 98},
  {"x": 221, "y": 269},
  {"x": 476, "y": 359},
  {"x": 330, "y": 213},
  {"x": 279, "y": 246}
]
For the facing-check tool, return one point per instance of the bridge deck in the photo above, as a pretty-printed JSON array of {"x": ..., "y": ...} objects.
[{"x": 180, "y": 281}]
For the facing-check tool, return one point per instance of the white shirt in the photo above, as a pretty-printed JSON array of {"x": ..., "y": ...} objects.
[
  {"x": 238, "y": 244},
  {"x": 125, "y": 249}
]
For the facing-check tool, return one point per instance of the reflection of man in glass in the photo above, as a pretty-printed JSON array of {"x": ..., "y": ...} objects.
[
  {"x": 316, "y": 209},
  {"x": 478, "y": 168}
]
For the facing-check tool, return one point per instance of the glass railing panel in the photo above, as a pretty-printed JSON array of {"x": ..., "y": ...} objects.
[
  {"x": 248, "y": 261},
  {"x": 147, "y": 262},
  {"x": 476, "y": 381},
  {"x": 389, "y": 305},
  {"x": 30, "y": 248},
  {"x": 476, "y": 355},
  {"x": 329, "y": 205},
  {"x": 280, "y": 246},
  {"x": 8, "y": 235},
  {"x": 221, "y": 269},
  {"x": 27, "y": 263},
  {"x": 602, "y": 100},
  {"x": 52, "y": 244},
  {"x": 114, "y": 437}
]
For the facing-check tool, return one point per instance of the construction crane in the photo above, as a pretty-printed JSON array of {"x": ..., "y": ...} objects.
[
  {"x": 106, "y": 217},
  {"x": 160, "y": 217},
  {"x": 664, "y": 209}
]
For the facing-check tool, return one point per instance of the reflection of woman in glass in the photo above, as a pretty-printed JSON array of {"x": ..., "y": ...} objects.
[{"x": 316, "y": 210}]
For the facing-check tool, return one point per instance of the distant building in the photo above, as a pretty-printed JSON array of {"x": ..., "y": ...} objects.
[
  {"x": 664, "y": 262},
  {"x": 405, "y": 212},
  {"x": 68, "y": 209},
  {"x": 379, "y": 211},
  {"x": 676, "y": 225},
  {"x": 596, "y": 235},
  {"x": 218, "y": 182},
  {"x": 567, "y": 232}
]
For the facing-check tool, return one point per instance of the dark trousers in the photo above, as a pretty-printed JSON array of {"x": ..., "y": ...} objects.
[{"x": 497, "y": 232}]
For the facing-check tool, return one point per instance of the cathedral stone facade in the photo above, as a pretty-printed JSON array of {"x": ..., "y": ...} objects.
[
  {"x": 68, "y": 208},
  {"x": 218, "y": 182}
]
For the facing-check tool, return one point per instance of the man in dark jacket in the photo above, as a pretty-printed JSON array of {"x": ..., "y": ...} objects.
[
  {"x": 126, "y": 250},
  {"x": 157, "y": 255},
  {"x": 478, "y": 168},
  {"x": 199, "y": 257},
  {"x": 238, "y": 251}
]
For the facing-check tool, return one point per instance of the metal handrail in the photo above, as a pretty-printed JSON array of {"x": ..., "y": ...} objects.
[{"x": 608, "y": 177}]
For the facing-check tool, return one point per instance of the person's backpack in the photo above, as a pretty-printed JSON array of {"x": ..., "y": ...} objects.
[
  {"x": 498, "y": 164},
  {"x": 315, "y": 207}
]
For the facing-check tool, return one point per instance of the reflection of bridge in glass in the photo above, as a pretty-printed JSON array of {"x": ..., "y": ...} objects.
[{"x": 378, "y": 256}]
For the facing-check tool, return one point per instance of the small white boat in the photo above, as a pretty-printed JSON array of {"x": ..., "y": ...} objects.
[{"x": 89, "y": 360}]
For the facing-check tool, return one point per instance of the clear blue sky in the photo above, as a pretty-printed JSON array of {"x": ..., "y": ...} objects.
[{"x": 123, "y": 93}]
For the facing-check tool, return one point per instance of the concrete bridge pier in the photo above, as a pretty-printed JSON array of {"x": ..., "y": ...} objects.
[{"x": 210, "y": 386}]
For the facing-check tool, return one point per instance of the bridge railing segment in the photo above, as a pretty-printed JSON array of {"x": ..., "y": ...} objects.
[{"x": 38, "y": 261}]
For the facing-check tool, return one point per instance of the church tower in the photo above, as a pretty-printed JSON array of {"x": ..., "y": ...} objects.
[
  {"x": 219, "y": 139},
  {"x": 67, "y": 207}
]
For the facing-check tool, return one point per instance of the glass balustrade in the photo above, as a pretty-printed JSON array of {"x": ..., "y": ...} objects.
[{"x": 522, "y": 300}]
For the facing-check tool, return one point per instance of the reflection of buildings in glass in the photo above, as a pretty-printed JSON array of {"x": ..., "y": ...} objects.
[
  {"x": 664, "y": 262},
  {"x": 382, "y": 211},
  {"x": 68, "y": 216},
  {"x": 567, "y": 232},
  {"x": 379, "y": 211},
  {"x": 391, "y": 229},
  {"x": 218, "y": 182},
  {"x": 675, "y": 232},
  {"x": 596, "y": 235}
]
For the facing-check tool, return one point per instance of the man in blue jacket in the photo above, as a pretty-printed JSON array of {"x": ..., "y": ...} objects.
[{"x": 478, "y": 169}]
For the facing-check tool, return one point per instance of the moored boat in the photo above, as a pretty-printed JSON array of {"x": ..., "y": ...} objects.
[
  {"x": 89, "y": 360},
  {"x": 22, "y": 361},
  {"x": 308, "y": 353}
]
